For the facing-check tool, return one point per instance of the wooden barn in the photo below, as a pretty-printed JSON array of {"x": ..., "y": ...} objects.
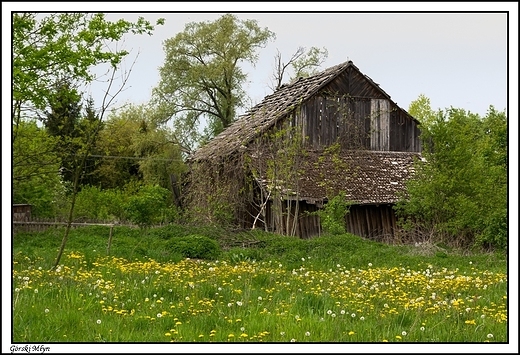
[{"x": 336, "y": 132}]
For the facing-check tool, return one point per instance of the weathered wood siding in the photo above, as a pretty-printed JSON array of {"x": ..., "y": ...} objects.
[
  {"x": 308, "y": 223},
  {"x": 356, "y": 123},
  {"x": 357, "y": 114},
  {"x": 374, "y": 222},
  {"x": 379, "y": 125}
]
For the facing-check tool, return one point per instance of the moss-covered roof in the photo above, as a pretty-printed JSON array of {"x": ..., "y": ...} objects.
[{"x": 366, "y": 177}]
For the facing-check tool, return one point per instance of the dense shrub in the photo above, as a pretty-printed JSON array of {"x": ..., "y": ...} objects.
[
  {"x": 332, "y": 215},
  {"x": 148, "y": 206},
  {"x": 196, "y": 247},
  {"x": 458, "y": 194}
]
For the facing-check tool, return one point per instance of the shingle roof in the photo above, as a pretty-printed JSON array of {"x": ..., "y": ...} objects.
[
  {"x": 367, "y": 177},
  {"x": 272, "y": 108}
]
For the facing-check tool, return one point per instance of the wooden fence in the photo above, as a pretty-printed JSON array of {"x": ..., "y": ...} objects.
[{"x": 40, "y": 226}]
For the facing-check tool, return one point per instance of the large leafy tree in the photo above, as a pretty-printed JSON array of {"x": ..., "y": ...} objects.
[
  {"x": 132, "y": 147},
  {"x": 459, "y": 192},
  {"x": 201, "y": 79},
  {"x": 65, "y": 46},
  {"x": 35, "y": 169}
]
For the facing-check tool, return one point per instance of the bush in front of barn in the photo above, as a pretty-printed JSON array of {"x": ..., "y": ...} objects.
[{"x": 195, "y": 246}]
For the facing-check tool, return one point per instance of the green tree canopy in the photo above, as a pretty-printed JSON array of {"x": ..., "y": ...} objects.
[
  {"x": 61, "y": 46},
  {"x": 201, "y": 79},
  {"x": 459, "y": 191},
  {"x": 36, "y": 178},
  {"x": 136, "y": 148}
]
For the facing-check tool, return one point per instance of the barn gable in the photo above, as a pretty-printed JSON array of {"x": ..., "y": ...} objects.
[
  {"x": 342, "y": 85},
  {"x": 376, "y": 143}
]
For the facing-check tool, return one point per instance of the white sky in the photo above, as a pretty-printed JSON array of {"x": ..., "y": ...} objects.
[{"x": 455, "y": 59}]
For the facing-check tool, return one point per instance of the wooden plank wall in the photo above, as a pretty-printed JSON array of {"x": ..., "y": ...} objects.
[
  {"x": 374, "y": 222},
  {"x": 308, "y": 224},
  {"x": 374, "y": 124},
  {"x": 380, "y": 125}
]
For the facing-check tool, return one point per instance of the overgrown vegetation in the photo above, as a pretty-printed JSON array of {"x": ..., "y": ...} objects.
[
  {"x": 459, "y": 193},
  {"x": 332, "y": 215},
  {"x": 253, "y": 287},
  {"x": 70, "y": 162}
]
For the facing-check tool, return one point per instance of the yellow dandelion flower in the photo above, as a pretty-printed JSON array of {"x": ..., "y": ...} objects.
[
  {"x": 398, "y": 337},
  {"x": 231, "y": 336},
  {"x": 351, "y": 333},
  {"x": 167, "y": 334}
]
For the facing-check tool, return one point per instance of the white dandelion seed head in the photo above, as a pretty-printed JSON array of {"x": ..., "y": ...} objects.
[
  {"x": 329, "y": 312},
  {"x": 353, "y": 315},
  {"x": 404, "y": 333},
  {"x": 489, "y": 336},
  {"x": 307, "y": 334},
  {"x": 342, "y": 311},
  {"x": 98, "y": 321}
]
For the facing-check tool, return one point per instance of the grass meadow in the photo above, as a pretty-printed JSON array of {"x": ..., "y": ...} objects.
[{"x": 258, "y": 287}]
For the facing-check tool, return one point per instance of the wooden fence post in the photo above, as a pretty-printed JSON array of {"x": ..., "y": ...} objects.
[{"x": 110, "y": 239}]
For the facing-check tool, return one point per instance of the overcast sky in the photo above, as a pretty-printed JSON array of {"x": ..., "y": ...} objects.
[{"x": 455, "y": 59}]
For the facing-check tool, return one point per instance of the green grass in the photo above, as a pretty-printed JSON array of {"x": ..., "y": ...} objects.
[{"x": 259, "y": 287}]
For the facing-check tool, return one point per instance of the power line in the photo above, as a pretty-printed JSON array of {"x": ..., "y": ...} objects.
[{"x": 133, "y": 158}]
